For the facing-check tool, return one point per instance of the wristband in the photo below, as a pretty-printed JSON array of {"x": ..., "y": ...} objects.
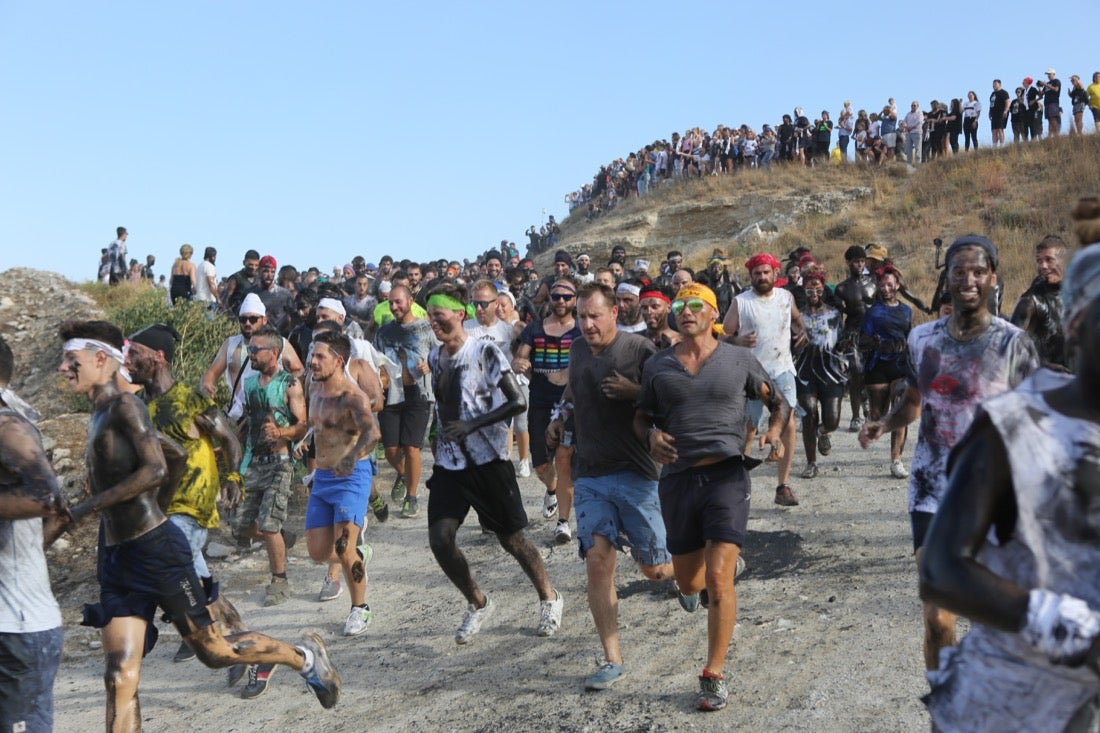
[
  {"x": 235, "y": 478},
  {"x": 1060, "y": 626}
]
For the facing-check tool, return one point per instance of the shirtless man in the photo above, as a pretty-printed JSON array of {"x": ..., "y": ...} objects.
[
  {"x": 655, "y": 308},
  {"x": 854, "y": 295},
  {"x": 30, "y": 620},
  {"x": 543, "y": 355},
  {"x": 344, "y": 434},
  {"x": 232, "y": 358},
  {"x": 144, "y": 560}
]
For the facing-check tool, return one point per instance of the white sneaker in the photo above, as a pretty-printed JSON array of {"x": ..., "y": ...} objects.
[
  {"x": 550, "y": 615},
  {"x": 525, "y": 468},
  {"x": 898, "y": 469},
  {"x": 471, "y": 622},
  {"x": 549, "y": 505},
  {"x": 358, "y": 621},
  {"x": 562, "y": 534}
]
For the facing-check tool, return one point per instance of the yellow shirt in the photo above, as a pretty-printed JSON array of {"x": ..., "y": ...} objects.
[
  {"x": 1094, "y": 95},
  {"x": 173, "y": 413}
]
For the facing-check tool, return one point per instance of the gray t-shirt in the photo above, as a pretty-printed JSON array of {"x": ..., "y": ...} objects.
[
  {"x": 704, "y": 412},
  {"x": 604, "y": 427},
  {"x": 408, "y": 345}
]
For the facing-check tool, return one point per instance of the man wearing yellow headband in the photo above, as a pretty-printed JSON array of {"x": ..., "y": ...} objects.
[{"x": 704, "y": 486}]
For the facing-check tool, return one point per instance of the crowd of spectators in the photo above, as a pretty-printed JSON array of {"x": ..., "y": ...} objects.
[{"x": 916, "y": 135}]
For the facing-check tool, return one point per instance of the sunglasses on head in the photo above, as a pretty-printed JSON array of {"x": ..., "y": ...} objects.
[
  {"x": 561, "y": 296},
  {"x": 253, "y": 350},
  {"x": 695, "y": 305},
  {"x": 484, "y": 303},
  {"x": 249, "y": 319}
]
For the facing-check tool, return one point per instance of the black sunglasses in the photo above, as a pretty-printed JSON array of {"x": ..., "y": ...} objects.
[
  {"x": 560, "y": 296},
  {"x": 249, "y": 319},
  {"x": 484, "y": 303}
]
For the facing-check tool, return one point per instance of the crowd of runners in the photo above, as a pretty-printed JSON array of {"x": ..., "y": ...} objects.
[{"x": 607, "y": 383}]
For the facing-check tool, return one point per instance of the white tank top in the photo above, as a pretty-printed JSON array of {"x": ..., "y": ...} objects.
[{"x": 770, "y": 319}]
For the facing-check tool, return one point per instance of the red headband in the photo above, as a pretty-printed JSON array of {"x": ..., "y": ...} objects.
[
  {"x": 885, "y": 270},
  {"x": 655, "y": 294},
  {"x": 761, "y": 259},
  {"x": 813, "y": 276}
]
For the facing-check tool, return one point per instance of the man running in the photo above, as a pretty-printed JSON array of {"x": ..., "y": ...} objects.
[
  {"x": 1039, "y": 310},
  {"x": 704, "y": 486},
  {"x": 615, "y": 478},
  {"x": 1014, "y": 546},
  {"x": 655, "y": 307},
  {"x": 854, "y": 295},
  {"x": 144, "y": 560},
  {"x": 954, "y": 363},
  {"x": 476, "y": 392},
  {"x": 30, "y": 620},
  {"x": 344, "y": 434}
]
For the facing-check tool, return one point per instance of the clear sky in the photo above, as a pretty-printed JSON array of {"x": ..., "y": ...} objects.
[{"x": 315, "y": 131}]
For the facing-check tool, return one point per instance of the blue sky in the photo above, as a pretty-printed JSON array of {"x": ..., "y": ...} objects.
[{"x": 318, "y": 131}]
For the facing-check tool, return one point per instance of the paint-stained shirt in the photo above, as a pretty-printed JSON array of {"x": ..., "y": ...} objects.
[
  {"x": 173, "y": 413},
  {"x": 953, "y": 377},
  {"x": 467, "y": 385}
]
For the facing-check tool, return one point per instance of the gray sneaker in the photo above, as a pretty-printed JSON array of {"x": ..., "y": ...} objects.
[
  {"x": 550, "y": 615},
  {"x": 712, "y": 693},
  {"x": 397, "y": 493},
  {"x": 330, "y": 589},
  {"x": 278, "y": 591},
  {"x": 410, "y": 509}
]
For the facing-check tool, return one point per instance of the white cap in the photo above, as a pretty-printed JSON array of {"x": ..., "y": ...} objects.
[
  {"x": 252, "y": 305},
  {"x": 385, "y": 287},
  {"x": 333, "y": 305}
]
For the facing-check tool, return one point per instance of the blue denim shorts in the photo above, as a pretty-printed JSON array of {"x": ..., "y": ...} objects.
[
  {"x": 624, "y": 508},
  {"x": 30, "y": 663},
  {"x": 786, "y": 385}
]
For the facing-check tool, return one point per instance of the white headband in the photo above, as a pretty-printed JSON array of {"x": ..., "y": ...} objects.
[
  {"x": 333, "y": 305},
  {"x": 94, "y": 345},
  {"x": 19, "y": 405},
  {"x": 628, "y": 288}
]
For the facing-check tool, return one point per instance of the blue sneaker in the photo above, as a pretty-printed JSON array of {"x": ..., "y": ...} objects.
[
  {"x": 323, "y": 678},
  {"x": 604, "y": 677}
]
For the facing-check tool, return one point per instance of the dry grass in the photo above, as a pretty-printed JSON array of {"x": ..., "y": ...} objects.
[{"x": 1014, "y": 195}]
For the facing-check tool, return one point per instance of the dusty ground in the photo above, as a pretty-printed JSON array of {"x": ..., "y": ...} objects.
[{"x": 828, "y": 634}]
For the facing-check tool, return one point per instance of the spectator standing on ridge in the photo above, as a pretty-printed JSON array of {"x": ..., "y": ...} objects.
[
  {"x": 998, "y": 112},
  {"x": 116, "y": 257},
  {"x": 184, "y": 277},
  {"x": 954, "y": 363},
  {"x": 1079, "y": 99},
  {"x": 1035, "y": 108},
  {"x": 912, "y": 126},
  {"x": 1052, "y": 103},
  {"x": 206, "y": 278},
  {"x": 1094, "y": 99},
  {"x": 971, "y": 112}
]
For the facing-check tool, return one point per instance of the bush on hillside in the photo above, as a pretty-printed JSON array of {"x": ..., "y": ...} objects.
[{"x": 134, "y": 306}]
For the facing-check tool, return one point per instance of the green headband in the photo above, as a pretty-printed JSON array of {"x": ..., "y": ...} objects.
[{"x": 441, "y": 300}]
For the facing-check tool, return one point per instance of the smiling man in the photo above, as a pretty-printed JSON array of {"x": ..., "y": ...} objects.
[
  {"x": 954, "y": 363},
  {"x": 1039, "y": 310}
]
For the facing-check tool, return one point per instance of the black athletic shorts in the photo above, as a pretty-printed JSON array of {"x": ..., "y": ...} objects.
[
  {"x": 490, "y": 490},
  {"x": 706, "y": 503},
  {"x": 136, "y": 576},
  {"x": 885, "y": 371},
  {"x": 538, "y": 419},
  {"x": 919, "y": 522},
  {"x": 406, "y": 423}
]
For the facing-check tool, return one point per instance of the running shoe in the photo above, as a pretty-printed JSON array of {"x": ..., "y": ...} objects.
[
  {"x": 550, "y": 615},
  {"x": 321, "y": 676},
  {"x": 688, "y": 603},
  {"x": 359, "y": 619},
  {"x": 397, "y": 493},
  {"x": 258, "y": 677},
  {"x": 366, "y": 552},
  {"x": 562, "y": 533},
  {"x": 784, "y": 496},
  {"x": 380, "y": 508},
  {"x": 410, "y": 508},
  {"x": 549, "y": 505},
  {"x": 712, "y": 693},
  {"x": 604, "y": 677},
  {"x": 234, "y": 674},
  {"x": 855, "y": 425},
  {"x": 330, "y": 589},
  {"x": 898, "y": 469},
  {"x": 184, "y": 653},
  {"x": 524, "y": 468},
  {"x": 471, "y": 622},
  {"x": 740, "y": 567},
  {"x": 810, "y": 471},
  {"x": 278, "y": 591},
  {"x": 824, "y": 443}
]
